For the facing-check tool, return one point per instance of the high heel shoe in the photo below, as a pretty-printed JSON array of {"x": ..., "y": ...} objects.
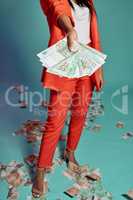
[
  {"x": 36, "y": 193},
  {"x": 76, "y": 168}
]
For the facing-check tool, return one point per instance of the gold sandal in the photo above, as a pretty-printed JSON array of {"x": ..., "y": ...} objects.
[
  {"x": 37, "y": 193},
  {"x": 71, "y": 165}
]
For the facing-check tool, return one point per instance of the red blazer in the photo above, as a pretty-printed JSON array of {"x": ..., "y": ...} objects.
[{"x": 52, "y": 10}]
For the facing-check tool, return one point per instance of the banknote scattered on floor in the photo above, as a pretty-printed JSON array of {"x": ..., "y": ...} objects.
[
  {"x": 129, "y": 194},
  {"x": 127, "y": 135},
  {"x": 120, "y": 124},
  {"x": 82, "y": 60}
]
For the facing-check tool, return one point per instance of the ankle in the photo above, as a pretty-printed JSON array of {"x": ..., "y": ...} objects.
[
  {"x": 40, "y": 172},
  {"x": 70, "y": 156},
  {"x": 70, "y": 153},
  {"x": 69, "y": 150}
]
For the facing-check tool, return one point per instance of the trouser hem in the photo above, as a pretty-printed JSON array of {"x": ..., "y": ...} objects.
[{"x": 44, "y": 166}]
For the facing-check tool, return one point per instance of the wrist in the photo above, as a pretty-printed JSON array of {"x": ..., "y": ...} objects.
[{"x": 69, "y": 30}]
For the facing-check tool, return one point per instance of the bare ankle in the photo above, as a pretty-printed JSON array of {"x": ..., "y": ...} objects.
[
  {"x": 40, "y": 172},
  {"x": 70, "y": 151}
]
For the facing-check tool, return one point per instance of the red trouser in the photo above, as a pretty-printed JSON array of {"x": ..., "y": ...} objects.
[{"x": 77, "y": 97}]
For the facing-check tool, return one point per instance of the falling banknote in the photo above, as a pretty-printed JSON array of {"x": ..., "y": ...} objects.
[{"x": 81, "y": 61}]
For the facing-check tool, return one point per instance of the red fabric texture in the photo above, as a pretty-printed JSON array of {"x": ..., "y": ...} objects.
[
  {"x": 76, "y": 98},
  {"x": 52, "y": 10},
  {"x": 65, "y": 93}
]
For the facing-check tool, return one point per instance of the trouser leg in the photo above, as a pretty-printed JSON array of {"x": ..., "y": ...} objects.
[
  {"x": 80, "y": 104},
  {"x": 57, "y": 112}
]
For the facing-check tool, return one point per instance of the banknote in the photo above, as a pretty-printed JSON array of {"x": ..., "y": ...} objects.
[
  {"x": 129, "y": 195},
  {"x": 59, "y": 60},
  {"x": 127, "y": 135},
  {"x": 71, "y": 192},
  {"x": 120, "y": 124}
]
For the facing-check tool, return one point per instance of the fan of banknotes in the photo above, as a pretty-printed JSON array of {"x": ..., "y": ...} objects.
[{"x": 82, "y": 60}]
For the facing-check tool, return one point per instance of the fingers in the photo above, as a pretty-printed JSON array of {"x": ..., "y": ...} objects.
[
  {"x": 71, "y": 38},
  {"x": 99, "y": 86},
  {"x": 70, "y": 44}
]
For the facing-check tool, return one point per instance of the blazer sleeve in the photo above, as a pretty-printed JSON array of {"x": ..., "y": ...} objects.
[
  {"x": 55, "y": 8},
  {"x": 96, "y": 43},
  {"x": 95, "y": 34}
]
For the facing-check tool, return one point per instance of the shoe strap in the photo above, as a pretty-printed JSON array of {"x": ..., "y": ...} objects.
[{"x": 70, "y": 150}]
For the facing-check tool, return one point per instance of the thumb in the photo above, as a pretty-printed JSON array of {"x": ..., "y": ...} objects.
[
  {"x": 98, "y": 86},
  {"x": 69, "y": 44}
]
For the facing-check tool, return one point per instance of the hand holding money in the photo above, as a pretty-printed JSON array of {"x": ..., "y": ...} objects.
[
  {"x": 70, "y": 58},
  {"x": 65, "y": 24}
]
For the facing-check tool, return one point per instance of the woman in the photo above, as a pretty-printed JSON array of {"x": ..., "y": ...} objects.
[{"x": 77, "y": 20}]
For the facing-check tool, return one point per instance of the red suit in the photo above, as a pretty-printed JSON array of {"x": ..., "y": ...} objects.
[{"x": 75, "y": 93}]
